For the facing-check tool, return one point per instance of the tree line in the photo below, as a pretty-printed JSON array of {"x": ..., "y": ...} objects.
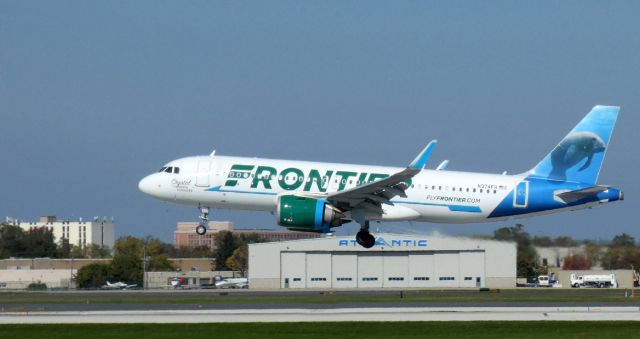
[
  {"x": 127, "y": 265},
  {"x": 230, "y": 252},
  {"x": 39, "y": 243},
  {"x": 620, "y": 253}
]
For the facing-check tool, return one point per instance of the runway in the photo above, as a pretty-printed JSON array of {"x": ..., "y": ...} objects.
[{"x": 629, "y": 313}]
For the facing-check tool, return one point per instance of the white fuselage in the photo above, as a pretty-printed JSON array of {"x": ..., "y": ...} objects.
[{"x": 434, "y": 196}]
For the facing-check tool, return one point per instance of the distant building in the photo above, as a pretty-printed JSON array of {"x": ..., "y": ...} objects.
[
  {"x": 185, "y": 234},
  {"x": 553, "y": 256},
  {"x": 59, "y": 273},
  {"x": 99, "y": 231}
]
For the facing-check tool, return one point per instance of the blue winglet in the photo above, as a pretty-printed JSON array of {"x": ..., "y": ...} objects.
[{"x": 419, "y": 162}]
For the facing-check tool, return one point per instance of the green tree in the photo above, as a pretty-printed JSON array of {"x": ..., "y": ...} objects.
[
  {"x": 224, "y": 243},
  {"x": 543, "y": 241},
  {"x": 623, "y": 240},
  {"x": 564, "y": 241},
  {"x": 39, "y": 243},
  {"x": 126, "y": 265},
  {"x": 201, "y": 251},
  {"x": 64, "y": 248},
  {"x": 93, "y": 275},
  {"x": 238, "y": 261},
  {"x": 622, "y": 254},
  {"x": 159, "y": 263},
  {"x": 78, "y": 252},
  {"x": 12, "y": 243},
  {"x": 526, "y": 257},
  {"x": 593, "y": 252},
  {"x": 96, "y": 251}
]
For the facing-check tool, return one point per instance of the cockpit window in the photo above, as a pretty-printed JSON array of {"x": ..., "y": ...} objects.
[{"x": 170, "y": 169}]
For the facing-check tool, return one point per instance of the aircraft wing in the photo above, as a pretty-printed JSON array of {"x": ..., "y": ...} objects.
[
  {"x": 371, "y": 196},
  {"x": 571, "y": 196}
]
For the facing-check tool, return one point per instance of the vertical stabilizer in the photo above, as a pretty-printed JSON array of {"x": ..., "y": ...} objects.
[{"x": 578, "y": 157}]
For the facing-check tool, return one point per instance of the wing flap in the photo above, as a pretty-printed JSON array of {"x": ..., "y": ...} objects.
[{"x": 371, "y": 196}]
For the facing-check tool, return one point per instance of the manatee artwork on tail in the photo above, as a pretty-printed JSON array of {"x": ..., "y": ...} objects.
[{"x": 573, "y": 149}]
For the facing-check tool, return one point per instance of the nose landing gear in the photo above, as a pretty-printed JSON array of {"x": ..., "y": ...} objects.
[{"x": 201, "y": 229}]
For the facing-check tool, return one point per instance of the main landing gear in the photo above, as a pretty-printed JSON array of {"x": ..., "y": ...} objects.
[
  {"x": 204, "y": 217},
  {"x": 364, "y": 238}
]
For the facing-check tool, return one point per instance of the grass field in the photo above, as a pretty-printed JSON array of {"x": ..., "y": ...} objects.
[
  {"x": 338, "y": 330},
  {"x": 453, "y": 296}
]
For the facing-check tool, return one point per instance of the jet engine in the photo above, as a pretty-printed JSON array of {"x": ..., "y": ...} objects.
[{"x": 306, "y": 214}]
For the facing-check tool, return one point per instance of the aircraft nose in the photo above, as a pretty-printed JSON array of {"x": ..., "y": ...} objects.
[{"x": 146, "y": 185}]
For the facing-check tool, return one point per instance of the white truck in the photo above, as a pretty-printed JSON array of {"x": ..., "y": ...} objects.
[
  {"x": 594, "y": 280},
  {"x": 548, "y": 281}
]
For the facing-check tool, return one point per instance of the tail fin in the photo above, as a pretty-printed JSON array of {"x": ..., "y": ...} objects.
[{"x": 578, "y": 157}]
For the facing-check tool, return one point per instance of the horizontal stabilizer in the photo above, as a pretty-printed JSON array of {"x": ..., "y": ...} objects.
[{"x": 571, "y": 196}]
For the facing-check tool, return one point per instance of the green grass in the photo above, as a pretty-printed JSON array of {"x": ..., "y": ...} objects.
[
  {"x": 341, "y": 330},
  {"x": 327, "y": 297}
]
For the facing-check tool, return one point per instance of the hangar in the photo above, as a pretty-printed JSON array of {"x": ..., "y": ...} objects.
[{"x": 396, "y": 261}]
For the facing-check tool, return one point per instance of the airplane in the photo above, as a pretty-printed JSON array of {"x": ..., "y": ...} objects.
[
  {"x": 317, "y": 196},
  {"x": 119, "y": 285},
  {"x": 233, "y": 283}
]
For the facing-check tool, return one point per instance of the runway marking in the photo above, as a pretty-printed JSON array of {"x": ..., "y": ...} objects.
[{"x": 630, "y": 313}]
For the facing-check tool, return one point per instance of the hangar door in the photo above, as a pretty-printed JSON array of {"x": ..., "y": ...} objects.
[
  {"x": 421, "y": 269},
  {"x": 344, "y": 270},
  {"x": 446, "y": 272},
  {"x": 318, "y": 270},
  {"x": 370, "y": 269},
  {"x": 293, "y": 270},
  {"x": 396, "y": 269},
  {"x": 472, "y": 269}
]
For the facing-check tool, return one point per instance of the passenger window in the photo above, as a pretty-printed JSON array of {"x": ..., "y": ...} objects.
[
  {"x": 474, "y": 190},
  {"x": 494, "y": 191}
]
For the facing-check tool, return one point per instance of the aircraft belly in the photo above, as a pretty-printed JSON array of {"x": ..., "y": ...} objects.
[{"x": 399, "y": 213}]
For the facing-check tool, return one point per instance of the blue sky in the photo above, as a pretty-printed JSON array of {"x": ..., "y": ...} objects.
[{"x": 95, "y": 95}]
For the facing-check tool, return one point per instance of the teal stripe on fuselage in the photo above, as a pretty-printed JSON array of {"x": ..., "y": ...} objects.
[{"x": 453, "y": 208}]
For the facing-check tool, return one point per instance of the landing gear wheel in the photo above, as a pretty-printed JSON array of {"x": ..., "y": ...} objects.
[
  {"x": 204, "y": 218},
  {"x": 365, "y": 239}
]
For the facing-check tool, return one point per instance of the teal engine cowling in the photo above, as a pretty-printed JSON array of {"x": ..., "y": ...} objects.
[{"x": 306, "y": 214}]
